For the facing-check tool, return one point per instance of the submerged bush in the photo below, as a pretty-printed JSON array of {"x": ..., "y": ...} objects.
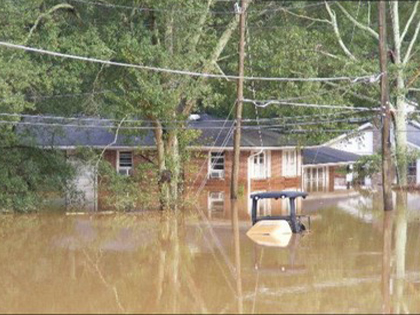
[
  {"x": 127, "y": 193},
  {"x": 29, "y": 174}
]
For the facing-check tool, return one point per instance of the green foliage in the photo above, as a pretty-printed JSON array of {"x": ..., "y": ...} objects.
[
  {"x": 28, "y": 175},
  {"x": 368, "y": 165},
  {"x": 126, "y": 193}
]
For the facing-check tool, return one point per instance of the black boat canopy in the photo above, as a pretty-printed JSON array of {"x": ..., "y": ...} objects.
[{"x": 279, "y": 194}]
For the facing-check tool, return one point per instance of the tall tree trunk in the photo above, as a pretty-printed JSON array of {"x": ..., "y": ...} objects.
[
  {"x": 163, "y": 183},
  {"x": 401, "y": 115},
  {"x": 400, "y": 131},
  {"x": 174, "y": 163}
]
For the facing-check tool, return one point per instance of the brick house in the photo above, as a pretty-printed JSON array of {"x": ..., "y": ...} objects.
[{"x": 269, "y": 160}]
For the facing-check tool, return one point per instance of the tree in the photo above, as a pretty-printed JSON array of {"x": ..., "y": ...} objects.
[{"x": 352, "y": 23}]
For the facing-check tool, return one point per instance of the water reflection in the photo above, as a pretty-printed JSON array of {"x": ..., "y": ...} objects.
[
  {"x": 386, "y": 262},
  {"x": 237, "y": 246},
  {"x": 400, "y": 251},
  {"x": 195, "y": 263}
]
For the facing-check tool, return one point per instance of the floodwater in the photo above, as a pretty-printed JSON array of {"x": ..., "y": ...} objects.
[{"x": 159, "y": 263}]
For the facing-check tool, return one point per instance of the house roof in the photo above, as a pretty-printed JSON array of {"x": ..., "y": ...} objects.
[
  {"x": 350, "y": 134},
  {"x": 47, "y": 132},
  {"x": 327, "y": 155},
  {"x": 50, "y": 133},
  {"x": 249, "y": 138}
]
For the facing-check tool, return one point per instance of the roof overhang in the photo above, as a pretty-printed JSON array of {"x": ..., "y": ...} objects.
[
  {"x": 329, "y": 164},
  {"x": 154, "y": 147}
]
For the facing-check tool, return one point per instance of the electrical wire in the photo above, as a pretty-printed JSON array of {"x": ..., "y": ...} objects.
[
  {"x": 100, "y": 119},
  {"x": 190, "y": 127},
  {"x": 180, "y": 72},
  {"x": 276, "y": 102}
]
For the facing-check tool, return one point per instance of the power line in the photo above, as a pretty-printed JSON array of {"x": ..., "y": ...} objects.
[
  {"x": 189, "y": 127},
  {"x": 101, "y": 119},
  {"x": 182, "y": 72},
  {"x": 276, "y": 102},
  {"x": 70, "y": 95}
]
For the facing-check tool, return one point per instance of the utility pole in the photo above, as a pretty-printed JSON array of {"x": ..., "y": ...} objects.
[
  {"x": 386, "y": 112},
  {"x": 239, "y": 103}
]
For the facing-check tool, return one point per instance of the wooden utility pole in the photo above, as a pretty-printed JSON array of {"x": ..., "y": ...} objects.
[
  {"x": 386, "y": 119},
  {"x": 239, "y": 104}
]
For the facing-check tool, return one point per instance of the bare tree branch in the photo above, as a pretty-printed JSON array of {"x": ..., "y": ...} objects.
[
  {"x": 114, "y": 141},
  {"x": 357, "y": 23},
  {"x": 199, "y": 31},
  {"x": 305, "y": 16},
  {"x": 410, "y": 20},
  {"x": 337, "y": 32},
  {"x": 61, "y": 6},
  {"x": 410, "y": 47},
  {"x": 220, "y": 70}
]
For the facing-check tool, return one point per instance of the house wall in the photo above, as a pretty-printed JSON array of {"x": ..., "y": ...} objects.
[
  {"x": 331, "y": 178},
  {"x": 197, "y": 182},
  {"x": 360, "y": 144},
  {"x": 418, "y": 172},
  {"x": 139, "y": 158},
  {"x": 85, "y": 184},
  {"x": 365, "y": 142},
  {"x": 196, "y": 173}
]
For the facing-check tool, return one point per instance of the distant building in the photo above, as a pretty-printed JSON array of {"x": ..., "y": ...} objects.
[
  {"x": 366, "y": 140},
  {"x": 320, "y": 166}
]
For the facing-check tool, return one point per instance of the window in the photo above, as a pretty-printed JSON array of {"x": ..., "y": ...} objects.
[
  {"x": 260, "y": 166},
  {"x": 217, "y": 165},
  {"x": 216, "y": 202},
  {"x": 412, "y": 172},
  {"x": 315, "y": 178},
  {"x": 290, "y": 163},
  {"x": 125, "y": 162}
]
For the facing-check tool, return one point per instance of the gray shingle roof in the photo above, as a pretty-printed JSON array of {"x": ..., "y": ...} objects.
[
  {"x": 78, "y": 134},
  {"x": 249, "y": 137},
  {"x": 325, "y": 155}
]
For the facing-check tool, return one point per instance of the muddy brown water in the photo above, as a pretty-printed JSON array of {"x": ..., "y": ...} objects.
[{"x": 158, "y": 263}]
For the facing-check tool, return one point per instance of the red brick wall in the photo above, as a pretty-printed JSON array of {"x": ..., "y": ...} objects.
[
  {"x": 331, "y": 178},
  {"x": 196, "y": 173},
  {"x": 199, "y": 161}
]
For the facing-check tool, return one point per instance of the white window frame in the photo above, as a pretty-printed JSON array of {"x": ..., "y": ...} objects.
[
  {"x": 216, "y": 173},
  {"x": 215, "y": 197},
  {"x": 124, "y": 170},
  {"x": 261, "y": 170},
  {"x": 289, "y": 168},
  {"x": 314, "y": 183}
]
